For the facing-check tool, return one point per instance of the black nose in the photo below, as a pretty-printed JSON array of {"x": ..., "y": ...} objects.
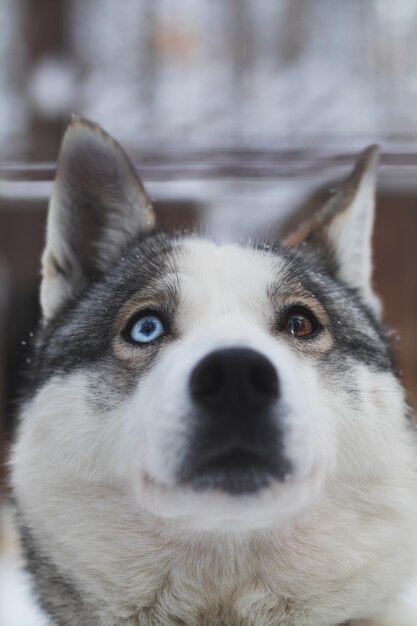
[
  {"x": 237, "y": 443},
  {"x": 234, "y": 379}
]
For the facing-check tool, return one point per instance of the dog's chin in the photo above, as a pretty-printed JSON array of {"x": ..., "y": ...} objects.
[{"x": 205, "y": 507}]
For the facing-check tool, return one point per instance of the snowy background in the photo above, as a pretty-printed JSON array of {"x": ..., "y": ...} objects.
[{"x": 192, "y": 74}]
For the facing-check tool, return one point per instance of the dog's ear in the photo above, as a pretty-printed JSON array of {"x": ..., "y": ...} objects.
[
  {"x": 342, "y": 229},
  {"x": 98, "y": 205}
]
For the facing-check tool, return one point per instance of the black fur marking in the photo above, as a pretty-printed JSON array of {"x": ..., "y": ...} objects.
[
  {"x": 82, "y": 333},
  {"x": 357, "y": 333}
]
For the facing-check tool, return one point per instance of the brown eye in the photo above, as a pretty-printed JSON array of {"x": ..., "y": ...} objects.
[{"x": 300, "y": 323}]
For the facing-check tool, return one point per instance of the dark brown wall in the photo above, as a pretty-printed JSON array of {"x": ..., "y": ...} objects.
[{"x": 396, "y": 277}]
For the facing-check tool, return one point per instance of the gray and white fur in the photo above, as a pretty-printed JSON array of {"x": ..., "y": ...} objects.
[{"x": 153, "y": 486}]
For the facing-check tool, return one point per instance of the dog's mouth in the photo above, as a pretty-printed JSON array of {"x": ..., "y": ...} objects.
[
  {"x": 236, "y": 471},
  {"x": 214, "y": 489}
]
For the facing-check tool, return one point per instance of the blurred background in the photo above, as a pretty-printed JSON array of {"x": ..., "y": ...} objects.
[{"x": 238, "y": 114}]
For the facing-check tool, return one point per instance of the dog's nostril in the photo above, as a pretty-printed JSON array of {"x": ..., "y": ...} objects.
[
  {"x": 238, "y": 376},
  {"x": 263, "y": 378},
  {"x": 206, "y": 381}
]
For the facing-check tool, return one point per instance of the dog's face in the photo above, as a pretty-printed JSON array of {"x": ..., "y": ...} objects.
[{"x": 219, "y": 386}]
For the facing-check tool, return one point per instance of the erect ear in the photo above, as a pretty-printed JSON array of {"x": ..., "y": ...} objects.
[
  {"x": 342, "y": 229},
  {"x": 98, "y": 205}
]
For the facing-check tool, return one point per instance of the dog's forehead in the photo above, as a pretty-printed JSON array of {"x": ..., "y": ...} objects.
[{"x": 218, "y": 276}]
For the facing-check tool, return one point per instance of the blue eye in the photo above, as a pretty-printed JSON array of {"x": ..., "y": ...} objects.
[{"x": 147, "y": 329}]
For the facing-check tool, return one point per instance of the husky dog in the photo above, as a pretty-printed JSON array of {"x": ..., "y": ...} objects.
[{"x": 213, "y": 434}]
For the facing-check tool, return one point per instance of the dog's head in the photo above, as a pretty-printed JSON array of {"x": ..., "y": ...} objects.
[{"x": 215, "y": 384}]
